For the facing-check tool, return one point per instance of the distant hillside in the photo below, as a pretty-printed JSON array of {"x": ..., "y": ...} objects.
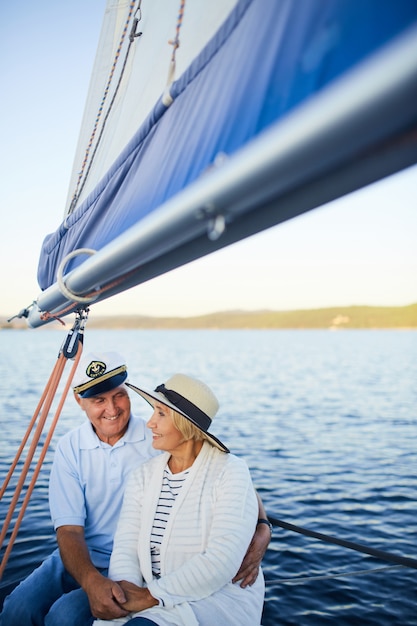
[{"x": 334, "y": 318}]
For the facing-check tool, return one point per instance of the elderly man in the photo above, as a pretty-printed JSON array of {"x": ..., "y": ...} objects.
[{"x": 87, "y": 481}]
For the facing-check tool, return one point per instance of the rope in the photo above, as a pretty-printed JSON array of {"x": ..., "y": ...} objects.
[
  {"x": 70, "y": 295},
  {"x": 303, "y": 579},
  {"x": 379, "y": 554},
  {"x": 46, "y": 315},
  {"x": 75, "y": 344},
  {"x": 80, "y": 185},
  {"x": 176, "y": 42},
  {"x": 167, "y": 99}
]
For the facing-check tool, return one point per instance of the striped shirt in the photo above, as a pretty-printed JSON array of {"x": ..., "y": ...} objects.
[{"x": 171, "y": 485}]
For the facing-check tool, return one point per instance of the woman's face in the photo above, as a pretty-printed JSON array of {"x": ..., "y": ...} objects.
[{"x": 165, "y": 435}]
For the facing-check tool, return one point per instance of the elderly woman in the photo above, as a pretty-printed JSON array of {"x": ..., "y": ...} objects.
[{"x": 187, "y": 520}]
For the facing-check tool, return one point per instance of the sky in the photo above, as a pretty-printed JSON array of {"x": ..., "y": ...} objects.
[{"x": 358, "y": 250}]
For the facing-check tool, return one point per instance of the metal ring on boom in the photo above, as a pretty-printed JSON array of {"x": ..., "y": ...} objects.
[{"x": 61, "y": 282}]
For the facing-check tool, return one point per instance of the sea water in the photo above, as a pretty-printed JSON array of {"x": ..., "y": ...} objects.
[{"x": 327, "y": 424}]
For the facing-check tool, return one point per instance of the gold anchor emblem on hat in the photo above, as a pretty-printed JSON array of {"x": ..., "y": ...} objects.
[{"x": 95, "y": 369}]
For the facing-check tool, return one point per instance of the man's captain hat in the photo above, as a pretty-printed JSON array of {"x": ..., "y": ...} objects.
[{"x": 98, "y": 373}]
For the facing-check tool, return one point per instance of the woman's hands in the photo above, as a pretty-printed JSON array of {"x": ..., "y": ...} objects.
[{"x": 137, "y": 598}]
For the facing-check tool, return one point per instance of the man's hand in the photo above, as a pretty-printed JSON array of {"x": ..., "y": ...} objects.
[
  {"x": 105, "y": 597},
  {"x": 249, "y": 569}
]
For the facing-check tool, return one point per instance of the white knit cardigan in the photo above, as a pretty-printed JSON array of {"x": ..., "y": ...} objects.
[{"x": 209, "y": 530}]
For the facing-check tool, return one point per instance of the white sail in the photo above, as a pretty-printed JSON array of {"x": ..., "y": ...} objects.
[
  {"x": 131, "y": 72},
  {"x": 271, "y": 112}
]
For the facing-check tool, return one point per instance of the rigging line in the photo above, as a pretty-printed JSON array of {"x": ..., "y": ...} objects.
[
  {"x": 110, "y": 107},
  {"x": 175, "y": 43},
  {"x": 56, "y": 375},
  {"x": 71, "y": 349},
  {"x": 41, "y": 457},
  {"x": 379, "y": 554},
  {"x": 25, "y": 438},
  {"x": 81, "y": 175},
  {"x": 46, "y": 315},
  {"x": 303, "y": 579}
]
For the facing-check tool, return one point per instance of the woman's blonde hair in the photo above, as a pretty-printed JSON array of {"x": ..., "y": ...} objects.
[{"x": 187, "y": 428}]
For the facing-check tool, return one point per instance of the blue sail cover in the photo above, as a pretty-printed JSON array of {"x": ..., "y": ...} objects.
[{"x": 268, "y": 57}]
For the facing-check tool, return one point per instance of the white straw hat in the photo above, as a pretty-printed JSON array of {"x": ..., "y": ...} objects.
[{"x": 190, "y": 397}]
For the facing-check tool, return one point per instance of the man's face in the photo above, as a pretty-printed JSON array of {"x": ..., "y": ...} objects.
[{"x": 108, "y": 412}]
